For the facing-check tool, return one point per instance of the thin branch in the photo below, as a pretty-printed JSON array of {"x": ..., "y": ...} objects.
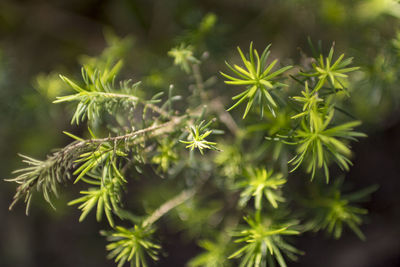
[
  {"x": 224, "y": 116},
  {"x": 184, "y": 196},
  {"x": 216, "y": 105},
  {"x": 168, "y": 125},
  {"x": 44, "y": 174},
  {"x": 199, "y": 81},
  {"x": 169, "y": 205}
]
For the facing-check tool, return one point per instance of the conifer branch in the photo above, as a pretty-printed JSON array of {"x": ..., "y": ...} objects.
[
  {"x": 308, "y": 124},
  {"x": 45, "y": 175}
]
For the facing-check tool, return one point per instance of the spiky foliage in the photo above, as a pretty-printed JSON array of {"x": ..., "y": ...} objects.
[
  {"x": 136, "y": 143},
  {"x": 318, "y": 140},
  {"x": 215, "y": 253},
  {"x": 230, "y": 159},
  {"x": 183, "y": 57},
  {"x": 310, "y": 101},
  {"x": 165, "y": 155},
  {"x": 317, "y": 143},
  {"x": 332, "y": 72},
  {"x": 258, "y": 79},
  {"x": 133, "y": 245},
  {"x": 41, "y": 176},
  {"x": 330, "y": 210},
  {"x": 264, "y": 243},
  {"x": 197, "y": 136},
  {"x": 106, "y": 195},
  {"x": 96, "y": 160},
  {"x": 259, "y": 183},
  {"x": 104, "y": 155},
  {"x": 98, "y": 93}
]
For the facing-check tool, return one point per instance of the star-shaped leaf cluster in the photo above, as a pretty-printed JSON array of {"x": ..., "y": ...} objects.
[
  {"x": 332, "y": 71},
  {"x": 259, "y": 183},
  {"x": 317, "y": 143},
  {"x": 310, "y": 101},
  {"x": 132, "y": 245},
  {"x": 197, "y": 136},
  {"x": 331, "y": 210},
  {"x": 264, "y": 243},
  {"x": 257, "y": 77}
]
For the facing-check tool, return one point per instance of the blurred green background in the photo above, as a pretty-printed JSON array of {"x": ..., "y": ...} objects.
[{"x": 39, "y": 39}]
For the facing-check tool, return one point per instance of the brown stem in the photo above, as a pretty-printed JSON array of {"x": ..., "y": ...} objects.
[
  {"x": 169, "y": 205},
  {"x": 167, "y": 126},
  {"x": 184, "y": 196},
  {"x": 224, "y": 116},
  {"x": 199, "y": 81},
  {"x": 215, "y": 104}
]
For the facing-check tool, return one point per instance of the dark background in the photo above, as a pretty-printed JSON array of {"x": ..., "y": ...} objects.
[{"x": 41, "y": 37}]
